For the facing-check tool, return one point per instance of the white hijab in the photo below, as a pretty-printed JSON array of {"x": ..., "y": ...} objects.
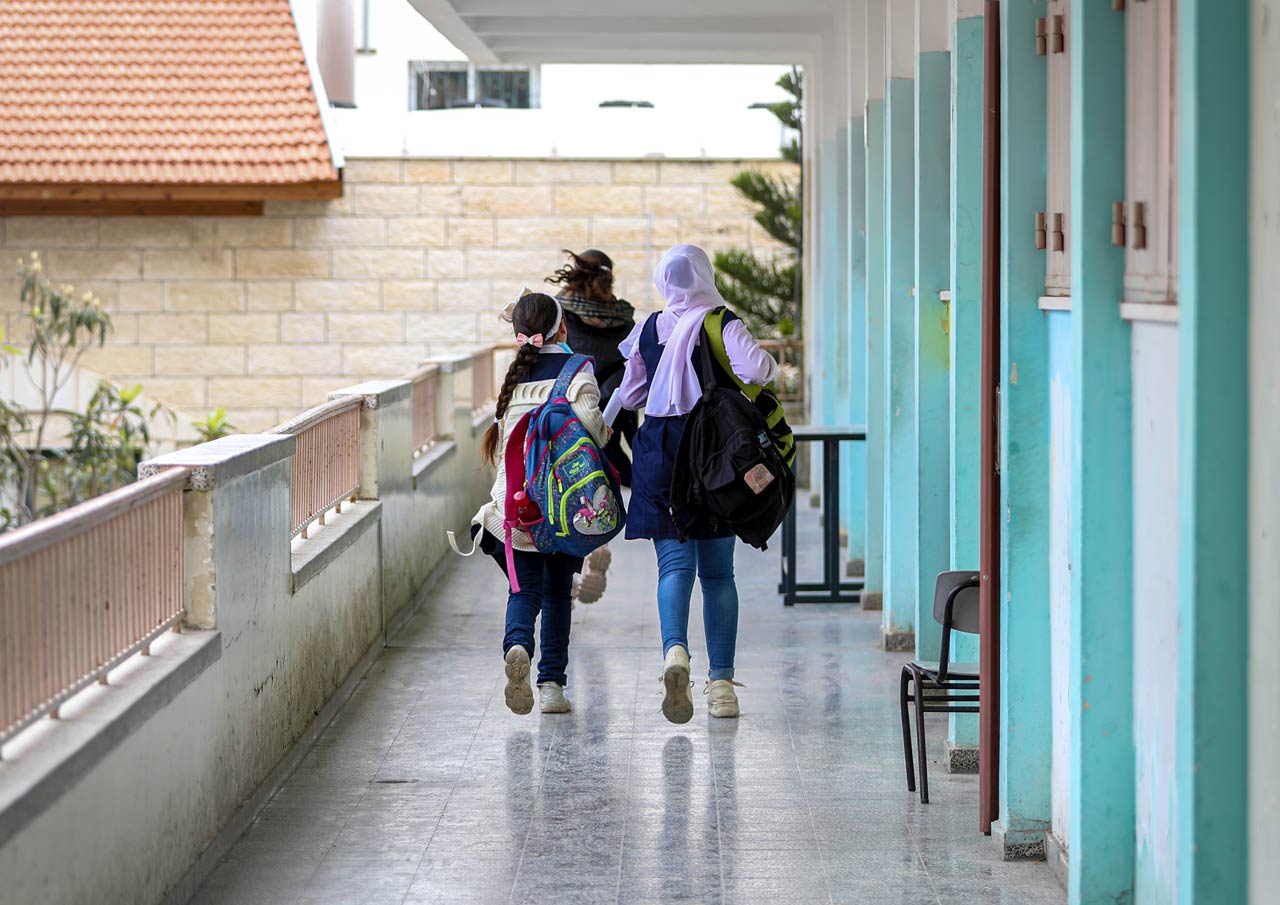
[{"x": 686, "y": 279}]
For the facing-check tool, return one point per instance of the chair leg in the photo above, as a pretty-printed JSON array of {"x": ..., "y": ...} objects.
[
  {"x": 920, "y": 744},
  {"x": 903, "y": 698}
]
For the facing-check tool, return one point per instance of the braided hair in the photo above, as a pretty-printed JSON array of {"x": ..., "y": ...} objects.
[
  {"x": 535, "y": 313},
  {"x": 589, "y": 274}
]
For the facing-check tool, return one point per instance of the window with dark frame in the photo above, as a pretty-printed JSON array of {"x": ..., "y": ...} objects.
[{"x": 451, "y": 85}]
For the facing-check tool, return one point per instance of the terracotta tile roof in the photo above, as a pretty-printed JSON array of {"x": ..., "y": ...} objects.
[{"x": 208, "y": 92}]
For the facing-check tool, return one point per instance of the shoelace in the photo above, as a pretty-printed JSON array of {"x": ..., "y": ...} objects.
[{"x": 706, "y": 689}]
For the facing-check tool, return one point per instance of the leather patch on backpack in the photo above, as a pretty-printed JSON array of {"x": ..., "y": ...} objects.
[{"x": 758, "y": 478}]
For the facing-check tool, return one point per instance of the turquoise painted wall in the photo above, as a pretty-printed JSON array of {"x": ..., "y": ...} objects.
[
  {"x": 1025, "y": 735},
  {"x": 932, "y": 349},
  {"x": 1100, "y": 696},
  {"x": 900, "y": 454},
  {"x": 854, "y": 471},
  {"x": 1214, "y": 193},
  {"x": 965, "y": 312},
  {"x": 875, "y": 336}
]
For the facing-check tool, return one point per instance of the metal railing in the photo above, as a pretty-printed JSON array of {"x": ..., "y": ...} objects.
[
  {"x": 426, "y": 425},
  {"x": 83, "y": 590},
  {"x": 326, "y": 463}
]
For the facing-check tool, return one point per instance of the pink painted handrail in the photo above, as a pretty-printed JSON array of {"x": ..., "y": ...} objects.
[
  {"x": 426, "y": 428},
  {"x": 83, "y": 590},
  {"x": 326, "y": 463}
]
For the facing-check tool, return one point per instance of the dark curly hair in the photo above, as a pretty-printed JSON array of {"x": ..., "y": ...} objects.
[{"x": 589, "y": 274}]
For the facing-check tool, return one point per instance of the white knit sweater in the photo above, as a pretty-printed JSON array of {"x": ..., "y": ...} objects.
[{"x": 584, "y": 397}]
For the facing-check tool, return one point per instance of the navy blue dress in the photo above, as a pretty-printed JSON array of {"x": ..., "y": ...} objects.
[{"x": 653, "y": 458}]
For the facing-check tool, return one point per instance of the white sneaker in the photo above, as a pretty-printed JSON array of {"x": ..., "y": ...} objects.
[
  {"x": 722, "y": 700},
  {"x": 518, "y": 693},
  {"x": 553, "y": 699},
  {"x": 677, "y": 702},
  {"x": 592, "y": 584}
]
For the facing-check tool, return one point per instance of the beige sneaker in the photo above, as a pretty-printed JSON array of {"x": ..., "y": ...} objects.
[
  {"x": 518, "y": 693},
  {"x": 677, "y": 702},
  {"x": 553, "y": 699},
  {"x": 722, "y": 700},
  {"x": 591, "y": 586}
]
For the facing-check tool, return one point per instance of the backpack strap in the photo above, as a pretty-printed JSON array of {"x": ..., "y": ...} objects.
[
  {"x": 513, "y": 463},
  {"x": 570, "y": 370},
  {"x": 713, "y": 328},
  {"x": 764, "y": 397}
]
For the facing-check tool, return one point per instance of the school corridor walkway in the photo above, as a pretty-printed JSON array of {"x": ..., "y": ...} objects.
[{"x": 426, "y": 789}]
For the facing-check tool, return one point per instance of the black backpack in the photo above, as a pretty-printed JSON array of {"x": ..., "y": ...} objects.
[{"x": 729, "y": 472}]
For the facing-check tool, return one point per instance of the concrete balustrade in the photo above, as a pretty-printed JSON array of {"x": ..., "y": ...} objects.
[{"x": 182, "y": 747}]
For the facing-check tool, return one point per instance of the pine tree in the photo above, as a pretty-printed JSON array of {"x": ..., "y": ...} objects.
[{"x": 766, "y": 292}]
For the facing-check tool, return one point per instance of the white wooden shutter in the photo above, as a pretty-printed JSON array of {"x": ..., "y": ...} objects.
[
  {"x": 1057, "y": 277},
  {"x": 1151, "y": 156}
]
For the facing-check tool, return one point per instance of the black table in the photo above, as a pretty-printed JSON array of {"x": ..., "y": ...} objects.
[{"x": 833, "y": 588}]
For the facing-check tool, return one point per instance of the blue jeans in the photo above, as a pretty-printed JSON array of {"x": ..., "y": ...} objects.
[
  {"x": 546, "y": 583},
  {"x": 712, "y": 561}
]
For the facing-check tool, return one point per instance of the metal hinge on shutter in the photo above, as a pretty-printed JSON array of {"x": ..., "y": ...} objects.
[
  {"x": 1118, "y": 238},
  {"x": 1139, "y": 225},
  {"x": 1057, "y": 38},
  {"x": 1042, "y": 37},
  {"x": 1058, "y": 235},
  {"x": 1042, "y": 235}
]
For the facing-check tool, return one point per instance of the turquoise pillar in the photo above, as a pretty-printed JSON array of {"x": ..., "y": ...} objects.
[
  {"x": 1213, "y": 600},
  {"x": 1025, "y": 701},
  {"x": 965, "y": 335},
  {"x": 1102, "y": 842},
  {"x": 854, "y": 474},
  {"x": 932, "y": 351},
  {"x": 875, "y": 475},
  {"x": 898, "y": 621}
]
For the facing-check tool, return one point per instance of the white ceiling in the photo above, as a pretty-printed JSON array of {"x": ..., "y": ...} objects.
[{"x": 627, "y": 31}]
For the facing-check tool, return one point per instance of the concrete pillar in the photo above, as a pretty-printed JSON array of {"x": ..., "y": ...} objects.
[
  {"x": 1213, "y": 411},
  {"x": 386, "y": 474},
  {"x": 965, "y": 318},
  {"x": 853, "y": 478},
  {"x": 874, "y": 47},
  {"x": 1101, "y": 843},
  {"x": 898, "y": 624},
  {"x": 1264, "y": 447},
  {"x": 932, "y": 278},
  {"x": 1025, "y": 700}
]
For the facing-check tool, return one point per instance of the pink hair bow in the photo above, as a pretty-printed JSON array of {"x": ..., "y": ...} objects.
[{"x": 535, "y": 340}]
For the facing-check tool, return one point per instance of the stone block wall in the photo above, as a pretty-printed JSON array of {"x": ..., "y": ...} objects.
[{"x": 262, "y": 314}]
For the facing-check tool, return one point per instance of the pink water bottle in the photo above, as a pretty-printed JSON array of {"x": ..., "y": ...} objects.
[{"x": 527, "y": 511}]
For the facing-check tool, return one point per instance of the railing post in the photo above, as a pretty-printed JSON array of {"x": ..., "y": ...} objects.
[
  {"x": 235, "y": 515},
  {"x": 386, "y": 475}
]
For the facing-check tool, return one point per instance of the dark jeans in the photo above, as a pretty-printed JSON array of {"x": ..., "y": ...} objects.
[{"x": 546, "y": 582}]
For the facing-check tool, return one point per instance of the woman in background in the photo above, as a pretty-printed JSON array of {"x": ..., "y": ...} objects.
[{"x": 596, "y": 321}]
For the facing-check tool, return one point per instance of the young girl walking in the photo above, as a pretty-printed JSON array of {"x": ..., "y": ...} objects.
[
  {"x": 662, "y": 378},
  {"x": 545, "y": 579}
]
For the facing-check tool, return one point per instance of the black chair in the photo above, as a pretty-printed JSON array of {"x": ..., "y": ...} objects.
[{"x": 941, "y": 686}]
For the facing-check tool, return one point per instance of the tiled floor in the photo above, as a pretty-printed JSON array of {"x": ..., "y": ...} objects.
[{"x": 426, "y": 789}]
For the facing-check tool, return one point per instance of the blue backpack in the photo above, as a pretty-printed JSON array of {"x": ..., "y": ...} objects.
[{"x": 565, "y": 474}]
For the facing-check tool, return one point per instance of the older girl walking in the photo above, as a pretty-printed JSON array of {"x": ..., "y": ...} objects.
[{"x": 662, "y": 378}]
